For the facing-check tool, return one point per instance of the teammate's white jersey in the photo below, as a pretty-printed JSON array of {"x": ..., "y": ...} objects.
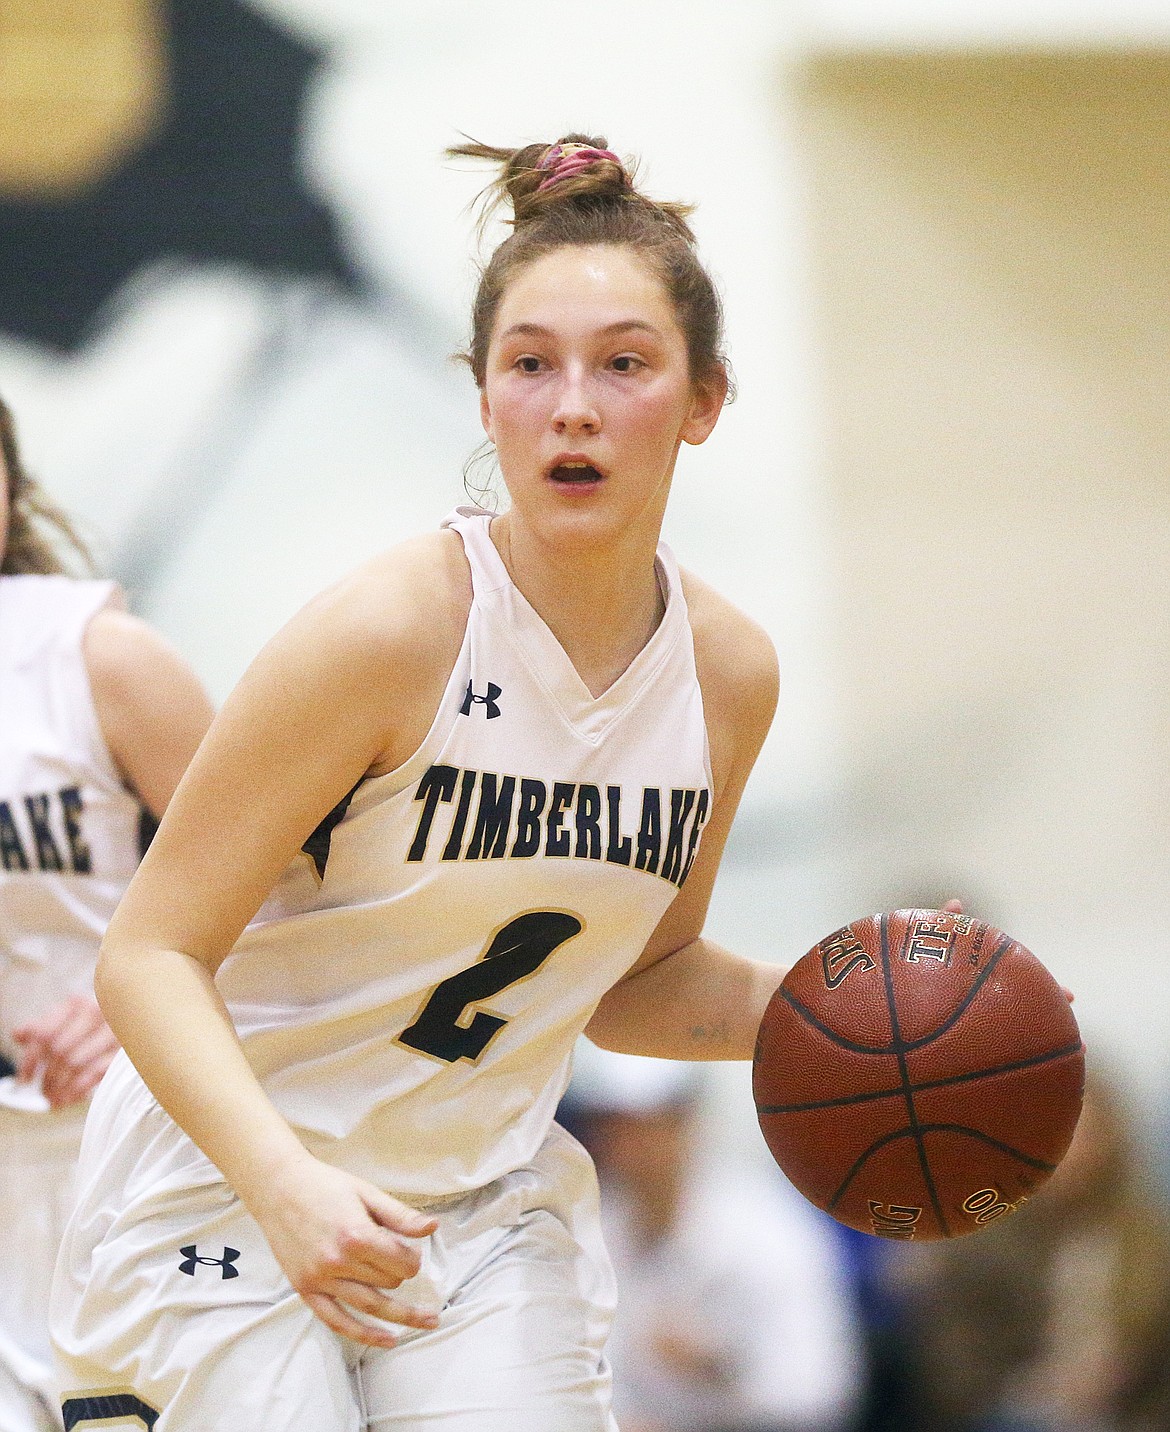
[
  {"x": 69, "y": 829},
  {"x": 410, "y": 994}
]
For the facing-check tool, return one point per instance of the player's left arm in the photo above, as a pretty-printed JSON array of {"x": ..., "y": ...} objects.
[
  {"x": 687, "y": 997},
  {"x": 153, "y": 712}
]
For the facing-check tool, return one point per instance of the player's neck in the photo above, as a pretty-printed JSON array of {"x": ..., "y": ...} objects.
[{"x": 602, "y": 605}]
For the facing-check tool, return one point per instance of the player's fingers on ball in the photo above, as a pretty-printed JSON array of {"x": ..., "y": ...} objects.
[
  {"x": 334, "y": 1316},
  {"x": 1068, "y": 994},
  {"x": 374, "y": 1302},
  {"x": 954, "y": 907}
]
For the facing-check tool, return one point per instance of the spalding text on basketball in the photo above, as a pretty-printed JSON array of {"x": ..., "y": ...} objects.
[
  {"x": 841, "y": 954},
  {"x": 894, "y": 1220}
]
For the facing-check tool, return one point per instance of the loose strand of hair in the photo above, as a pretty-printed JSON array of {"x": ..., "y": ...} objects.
[{"x": 30, "y": 549}]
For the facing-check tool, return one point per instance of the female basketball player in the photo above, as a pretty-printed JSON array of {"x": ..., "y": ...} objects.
[
  {"x": 481, "y": 789},
  {"x": 97, "y": 720}
]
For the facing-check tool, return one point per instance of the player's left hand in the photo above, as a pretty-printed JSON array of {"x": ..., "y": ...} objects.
[
  {"x": 955, "y": 907},
  {"x": 71, "y": 1047}
]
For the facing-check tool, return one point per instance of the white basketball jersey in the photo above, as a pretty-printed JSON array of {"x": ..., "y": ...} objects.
[
  {"x": 410, "y": 994},
  {"x": 69, "y": 829}
]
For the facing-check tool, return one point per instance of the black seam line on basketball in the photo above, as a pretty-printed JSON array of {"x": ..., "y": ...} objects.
[
  {"x": 842, "y": 1043},
  {"x": 988, "y": 1139},
  {"x": 904, "y": 1073},
  {"x": 809, "y": 1018},
  {"x": 926, "y": 1085},
  {"x": 997, "y": 954},
  {"x": 907, "y": 1133}
]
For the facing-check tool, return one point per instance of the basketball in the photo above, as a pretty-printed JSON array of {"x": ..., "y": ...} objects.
[{"x": 918, "y": 1075}]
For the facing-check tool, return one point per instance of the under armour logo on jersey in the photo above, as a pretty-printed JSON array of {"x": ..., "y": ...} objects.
[
  {"x": 489, "y": 700},
  {"x": 191, "y": 1259}
]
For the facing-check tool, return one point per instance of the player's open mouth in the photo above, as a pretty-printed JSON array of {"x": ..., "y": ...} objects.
[{"x": 577, "y": 474}]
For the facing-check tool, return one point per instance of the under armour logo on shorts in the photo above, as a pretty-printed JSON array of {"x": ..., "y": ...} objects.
[
  {"x": 489, "y": 700},
  {"x": 191, "y": 1259}
]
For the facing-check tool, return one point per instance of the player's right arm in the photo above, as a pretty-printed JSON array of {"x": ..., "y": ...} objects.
[{"x": 350, "y": 686}]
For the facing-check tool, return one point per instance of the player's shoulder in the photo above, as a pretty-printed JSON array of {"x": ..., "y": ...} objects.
[
  {"x": 120, "y": 648},
  {"x": 132, "y": 667},
  {"x": 407, "y": 604},
  {"x": 734, "y": 656}
]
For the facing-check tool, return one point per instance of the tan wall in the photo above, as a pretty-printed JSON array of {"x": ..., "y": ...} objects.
[{"x": 992, "y": 240}]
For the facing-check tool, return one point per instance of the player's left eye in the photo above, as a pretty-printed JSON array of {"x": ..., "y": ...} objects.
[{"x": 627, "y": 363}]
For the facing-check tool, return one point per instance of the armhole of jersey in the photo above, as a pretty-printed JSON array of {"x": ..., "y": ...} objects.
[
  {"x": 392, "y": 783},
  {"x": 674, "y": 574}
]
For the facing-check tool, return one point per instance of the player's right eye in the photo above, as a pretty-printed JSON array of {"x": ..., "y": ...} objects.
[{"x": 528, "y": 363}]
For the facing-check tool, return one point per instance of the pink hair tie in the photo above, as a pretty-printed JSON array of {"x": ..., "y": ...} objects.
[{"x": 568, "y": 160}]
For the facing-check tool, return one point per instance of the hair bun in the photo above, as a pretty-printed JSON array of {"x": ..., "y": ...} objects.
[
  {"x": 576, "y": 192},
  {"x": 565, "y": 161},
  {"x": 539, "y": 176}
]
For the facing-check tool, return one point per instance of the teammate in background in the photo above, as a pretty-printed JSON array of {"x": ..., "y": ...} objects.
[
  {"x": 481, "y": 790},
  {"x": 98, "y": 718},
  {"x": 720, "y": 1265}
]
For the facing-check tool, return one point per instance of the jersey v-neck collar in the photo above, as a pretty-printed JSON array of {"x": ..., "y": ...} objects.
[{"x": 546, "y": 659}]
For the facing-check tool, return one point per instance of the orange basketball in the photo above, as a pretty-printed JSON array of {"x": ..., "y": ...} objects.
[{"x": 918, "y": 1074}]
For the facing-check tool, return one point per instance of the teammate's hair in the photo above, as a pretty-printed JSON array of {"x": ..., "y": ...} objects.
[
  {"x": 575, "y": 192},
  {"x": 36, "y": 525}
]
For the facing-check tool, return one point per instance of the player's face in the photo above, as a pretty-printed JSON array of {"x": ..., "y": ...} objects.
[{"x": 587, "y": 394}]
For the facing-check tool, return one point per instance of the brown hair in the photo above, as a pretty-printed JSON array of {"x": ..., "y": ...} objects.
[
  {"x": 596, "y": 205},
  {"x": 29, "y": 548}
]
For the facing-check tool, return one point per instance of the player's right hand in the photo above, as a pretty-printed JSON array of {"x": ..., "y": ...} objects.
[{"x": 343, "y": 1244}]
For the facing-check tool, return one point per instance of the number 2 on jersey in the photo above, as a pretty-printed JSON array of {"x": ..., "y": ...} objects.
[{"x": 516, "y": 951}]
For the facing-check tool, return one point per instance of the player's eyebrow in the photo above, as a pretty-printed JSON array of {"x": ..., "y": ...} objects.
[{"x": 538, "y": 330}]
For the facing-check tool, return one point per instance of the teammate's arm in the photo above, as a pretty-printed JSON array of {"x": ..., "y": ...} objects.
[
  {"x": 307, "y": 721},
  {"x": 151, "y": 707},
  {"x": 153, "y": 712},
  {"x": 687, "y": 997}
]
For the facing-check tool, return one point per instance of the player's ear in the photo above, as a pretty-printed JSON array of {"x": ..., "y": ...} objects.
[
  {"x": 485, "y": 414},
  {"x": 708, "y": 395}
]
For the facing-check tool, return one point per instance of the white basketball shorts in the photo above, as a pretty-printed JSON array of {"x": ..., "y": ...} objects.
[
  {"x": 171, "y": 1314},
  {"x": 38, "y": 1157}
]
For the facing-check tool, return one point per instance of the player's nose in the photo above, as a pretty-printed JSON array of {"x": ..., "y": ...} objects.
[{"x": 575, "y": 410}]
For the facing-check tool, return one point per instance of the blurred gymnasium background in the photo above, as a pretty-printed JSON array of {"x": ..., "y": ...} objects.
[{"x": 233, "y": 268}]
